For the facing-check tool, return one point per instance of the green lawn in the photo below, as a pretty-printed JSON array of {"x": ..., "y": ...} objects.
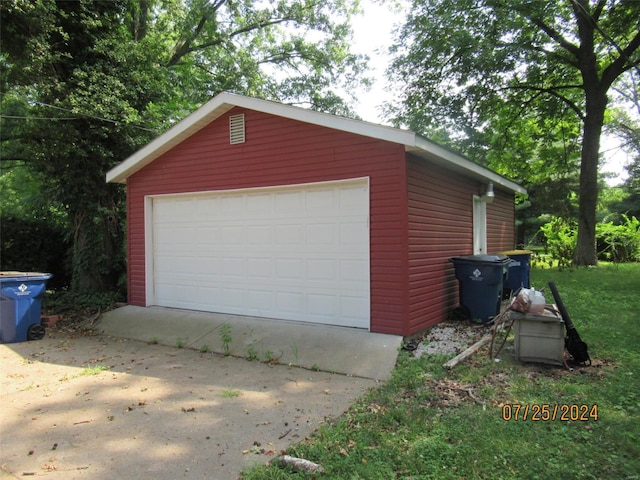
[{"x": 430, "y": 423}]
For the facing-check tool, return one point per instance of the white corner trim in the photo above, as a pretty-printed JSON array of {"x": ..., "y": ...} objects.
[{"x": 150, "y": 297}]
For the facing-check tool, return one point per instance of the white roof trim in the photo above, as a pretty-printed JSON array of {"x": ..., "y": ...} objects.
[{"x": 225, "y": 101}]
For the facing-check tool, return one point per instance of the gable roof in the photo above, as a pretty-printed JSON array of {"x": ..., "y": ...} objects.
[{"x": 223, "y": 102}]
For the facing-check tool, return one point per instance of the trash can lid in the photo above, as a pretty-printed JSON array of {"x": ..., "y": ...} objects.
[
  {"x": 517, "y": 252},
  {"x": 492, "y": 258},
  {"x": 24, "y": 275}
]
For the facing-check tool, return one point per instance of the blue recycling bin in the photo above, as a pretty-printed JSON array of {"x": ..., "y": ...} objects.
[
  {"x": 519, "y": 270},
  {"x": 20, "y": 305},
  {"x": 480, "y": 281}
]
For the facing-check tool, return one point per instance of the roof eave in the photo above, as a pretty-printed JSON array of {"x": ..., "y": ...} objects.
[{"x": 432, "y": 151}]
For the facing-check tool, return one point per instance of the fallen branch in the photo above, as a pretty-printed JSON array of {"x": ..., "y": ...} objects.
[
  {"x": 468, "y": 352},
  {"x": 297, "y": 464}
]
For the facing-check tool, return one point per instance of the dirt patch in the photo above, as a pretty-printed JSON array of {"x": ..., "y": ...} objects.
[{"x": 77, "y": 406}]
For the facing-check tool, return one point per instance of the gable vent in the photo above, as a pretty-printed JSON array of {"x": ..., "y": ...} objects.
[{"x": 236, "y": 129}]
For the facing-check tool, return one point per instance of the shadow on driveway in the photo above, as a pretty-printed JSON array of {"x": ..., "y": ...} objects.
[{"x": 100, "y": 407}]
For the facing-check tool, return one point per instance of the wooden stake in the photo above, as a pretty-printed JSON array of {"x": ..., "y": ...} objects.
[{"x": 468, "y": 352}]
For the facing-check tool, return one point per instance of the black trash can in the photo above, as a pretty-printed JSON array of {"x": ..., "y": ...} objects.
[
  {"x": 519, "y": 270},
  {"x": 20, "y": 306},
  {"x": 480, "y": 279}
]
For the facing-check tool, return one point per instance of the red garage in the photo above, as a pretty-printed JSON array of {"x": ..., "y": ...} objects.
[{"x": 256, "y": 208}]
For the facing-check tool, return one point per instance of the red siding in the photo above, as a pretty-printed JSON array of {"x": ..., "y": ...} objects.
[
  {"x": 501, "y": 225},
  {"x": 440, "y": 227},
  {"x": 280, "y": 151},
  {"x": 420, "y": 214}
]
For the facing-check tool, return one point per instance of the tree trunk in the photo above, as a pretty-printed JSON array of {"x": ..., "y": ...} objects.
[
  {"x": 97, "y": 263},
  {"x": 585, "y": 253}
]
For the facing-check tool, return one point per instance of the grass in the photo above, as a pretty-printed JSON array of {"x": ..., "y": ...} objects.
[
  {"x": 230, "y": 393},
  {"x": 93, "y": 370},
  {"x": 430, "y": 423}
]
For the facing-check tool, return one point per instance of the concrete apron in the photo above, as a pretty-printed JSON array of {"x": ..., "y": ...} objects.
[{"x": 347, "y": 351}]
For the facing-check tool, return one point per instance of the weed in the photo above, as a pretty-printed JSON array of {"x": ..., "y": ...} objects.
[
  {"x": 94, "y": 370},
  {"x": 230, "y": 393},
  {"x": 269, "y": 357},
  {"x": 252, "y": 353},
  {"x": 226, "y": 338},
  {"x": 180, "y": 342},
  {"x": 204, "y": 348},
  {"x": 294, "y": 349},
  {"x": 153, "y": 341}
]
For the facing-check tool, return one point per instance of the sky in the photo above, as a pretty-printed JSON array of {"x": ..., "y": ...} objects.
[{"x": 373, "y": 35}]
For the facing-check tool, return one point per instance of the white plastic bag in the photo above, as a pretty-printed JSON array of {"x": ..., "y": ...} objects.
[{"x": 528, "y": 300}]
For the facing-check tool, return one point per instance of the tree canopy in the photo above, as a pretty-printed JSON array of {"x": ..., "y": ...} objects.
[
  {"x": 85, "y": 83},
  {"x": 520, "y": 86}
]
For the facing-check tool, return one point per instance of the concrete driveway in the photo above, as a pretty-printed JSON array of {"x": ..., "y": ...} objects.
[{"x": 104, "y": 407}]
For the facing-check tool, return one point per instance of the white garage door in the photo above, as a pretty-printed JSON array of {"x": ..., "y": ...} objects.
[{"x": 295, "y": 253}]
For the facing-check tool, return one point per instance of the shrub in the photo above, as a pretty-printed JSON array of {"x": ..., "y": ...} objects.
[
  {"x": 559, "y": 240},
  {"x": 34, "y": 245},
  {"x": 621, "y": 242}
]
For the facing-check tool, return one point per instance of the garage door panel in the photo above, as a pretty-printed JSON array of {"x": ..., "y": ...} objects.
[
  {"x": 296, "y": 253},
  {"x": 232, "y": 235},
  {"x": 290, "y": 303},
  {"x": 287, "y": 203},
  {"x": 353, "y": 308},
  {"x": 289, "y": 234},
  {"x": 231, "y": 206},
  {"x": 259, "y": 203},
  {"x": 260, "y": 235},
  {"x": 322, "y": 269},
  {"x": 322, "y": 305},
  {"x": 290, "y": 268},
  {"x": 261, "y": 300},
  {"x": 322, "y": 234},
  {"x": 321, "y": 201},
  {"x": 353, "y": 270},
  {"x": 260, "y": 268},
  {"x": 178, "y": 265}
]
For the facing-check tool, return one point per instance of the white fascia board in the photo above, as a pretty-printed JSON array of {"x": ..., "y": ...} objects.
[
  {"x": 452, "y": 158},
  {"x": 169, "y": 139}
]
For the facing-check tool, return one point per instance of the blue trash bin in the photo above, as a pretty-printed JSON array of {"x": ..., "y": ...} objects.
[
  {"x": 480, "y": 281},
  {"x": 20, "y": 306},
  {"x": 519, "y": 270}
]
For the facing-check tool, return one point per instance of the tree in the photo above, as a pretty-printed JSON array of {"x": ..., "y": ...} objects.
[
  {"x": 517, "y": 78},
  {"x": 94, "y": 81}
]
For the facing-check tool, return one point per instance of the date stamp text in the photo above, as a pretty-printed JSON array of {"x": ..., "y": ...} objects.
[{"x": 544, "y": 412}]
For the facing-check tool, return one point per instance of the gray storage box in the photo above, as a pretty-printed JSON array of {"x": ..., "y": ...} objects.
[{"x": 539, "y": 338}]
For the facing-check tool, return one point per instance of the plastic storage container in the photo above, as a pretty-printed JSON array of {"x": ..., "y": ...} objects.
[
  {"x": 20, "y": 306},
  {"x": 519, "y": 270},
  {"x": 480, "y": 279},
  {"x": 539, "y": 338}
]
